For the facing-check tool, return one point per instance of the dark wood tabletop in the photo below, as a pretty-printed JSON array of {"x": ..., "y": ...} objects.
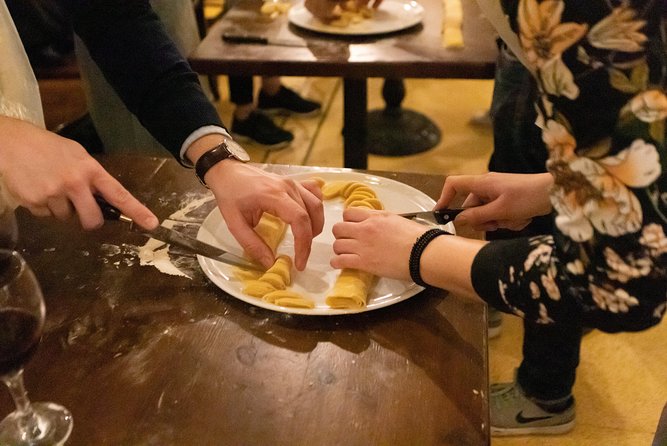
[
  {"x": 145, "y": 358},
  {"x": 416, "y": 52}
]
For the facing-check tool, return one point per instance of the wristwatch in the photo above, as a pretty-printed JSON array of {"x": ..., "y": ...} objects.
[{"x": 224, "y": 150}]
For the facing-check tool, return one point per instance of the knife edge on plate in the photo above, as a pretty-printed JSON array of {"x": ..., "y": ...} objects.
[
  {"x": 185, "y": 242},
  {"x": 440, "y": 216},
  {"x": 261, "y": 40}
]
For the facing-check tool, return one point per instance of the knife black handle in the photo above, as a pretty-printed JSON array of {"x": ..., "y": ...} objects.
[
  {"x": 109, "y": 211},
  {"x": 245, "y": 38},
  {"x": 444, "y": 216}
]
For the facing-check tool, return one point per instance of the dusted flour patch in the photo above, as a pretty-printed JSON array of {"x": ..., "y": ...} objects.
[{"x": 158, "y": 254}]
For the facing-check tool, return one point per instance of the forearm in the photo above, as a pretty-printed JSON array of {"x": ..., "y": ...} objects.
[
  {"x": 140, "y": 61},
  {"x": 447, "y": 262}
]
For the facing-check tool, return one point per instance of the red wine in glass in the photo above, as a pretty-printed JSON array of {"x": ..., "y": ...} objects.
[
  {"x": 20, "y": 332},
  {"x": 22, "y": 315}
]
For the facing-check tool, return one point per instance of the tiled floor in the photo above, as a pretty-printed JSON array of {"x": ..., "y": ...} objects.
[{"x": 622, "y": 381}]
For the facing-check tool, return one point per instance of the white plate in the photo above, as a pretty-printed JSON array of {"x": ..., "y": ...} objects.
[
  {"x": 318, "y": 278},
  {"x": 391, "y": 16}
]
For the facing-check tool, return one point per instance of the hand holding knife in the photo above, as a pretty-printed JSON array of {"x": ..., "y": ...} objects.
[
  {"x": 187, "y": 243},
  {"x": 440, "y": 216}
]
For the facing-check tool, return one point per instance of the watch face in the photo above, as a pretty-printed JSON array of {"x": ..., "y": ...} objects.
[{"x": 237, "y": 151}]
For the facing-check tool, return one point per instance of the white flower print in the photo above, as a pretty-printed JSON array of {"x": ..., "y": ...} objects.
[
  {"x": 619, "y": 31},
  {"x": 550, "y": 286},
  {"x": 660, "y": 311},
  {"x": 542, "y": 35},
  {"x": 538, "y": 256},
  {"x": 653, "y": 237},
  {"x": 614, "y": 301},
  {"x": 594, "y": 194},
  {"x": 571, "y": 220},
  {"x": 576, "y": 267},
  {"x": 624, "y": 271},
  {"x": 636, "y": 166},
  {"x": 649, "y": 106},
  {"x": 557, "y": 79},
  {"x": 558, "y": 140},
  {"x": 544, "y": 316},
  {"x": 534, "y": 290}
]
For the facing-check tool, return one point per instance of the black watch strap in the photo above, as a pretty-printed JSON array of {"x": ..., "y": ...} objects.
[{"x": 210, "y": 159}]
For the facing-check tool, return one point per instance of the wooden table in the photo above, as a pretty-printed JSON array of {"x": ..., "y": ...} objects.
[
  {"x": 145, "y": 358},
  {"x": 412, "y": 53}
]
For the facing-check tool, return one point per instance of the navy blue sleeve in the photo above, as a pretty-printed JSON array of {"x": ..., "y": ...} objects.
[{"x": 139, "y": 60}]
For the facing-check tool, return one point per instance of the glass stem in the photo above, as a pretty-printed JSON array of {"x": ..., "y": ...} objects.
[{"x": 27, "y": 417}]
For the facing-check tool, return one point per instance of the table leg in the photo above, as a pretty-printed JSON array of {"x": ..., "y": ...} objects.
[
  {"x": 355, "y": 103},
  {"x": 396, "y": 131}
]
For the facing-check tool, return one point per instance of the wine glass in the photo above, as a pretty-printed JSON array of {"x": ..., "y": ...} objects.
[
  {"x": 21, "y": 323},
  {"x": 9, "y": 232}
]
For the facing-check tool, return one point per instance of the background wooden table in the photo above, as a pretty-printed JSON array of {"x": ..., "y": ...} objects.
[
  {"x": 413, "y": 53},
  {"x": 145, "y": 358}
]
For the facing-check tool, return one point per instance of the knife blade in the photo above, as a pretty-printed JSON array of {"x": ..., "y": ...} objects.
[
  {"x": 261, "y": 40},
  {"x": 440, "y": 216},
  {"x": 185, "y": 242}
]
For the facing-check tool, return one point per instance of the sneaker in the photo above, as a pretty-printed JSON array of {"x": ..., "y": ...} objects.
[
  {"x": 287, "y": 102},
  {"x": 261, "y": 130},
  {"x": 495, "y": 322},
  {"x": 482, "y": 119},
  {"x": 513, "y": 413}
]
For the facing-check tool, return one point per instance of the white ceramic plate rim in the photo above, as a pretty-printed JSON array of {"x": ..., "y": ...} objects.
[
  {"x": 391, "y": 16},
  {"x": 396, "y": 196}
]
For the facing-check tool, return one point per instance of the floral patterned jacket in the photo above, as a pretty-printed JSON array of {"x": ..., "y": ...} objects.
[{"x": 601, "y": 72}]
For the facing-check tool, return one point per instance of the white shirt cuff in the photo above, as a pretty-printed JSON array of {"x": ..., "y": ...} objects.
[{"x": 201, "y": 131}]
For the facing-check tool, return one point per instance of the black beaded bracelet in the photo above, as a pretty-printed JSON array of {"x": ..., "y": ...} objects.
[{"x": 417, "y": 250}]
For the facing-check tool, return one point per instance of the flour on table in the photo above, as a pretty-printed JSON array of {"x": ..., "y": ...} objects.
[{"x": 156, "y": 253}]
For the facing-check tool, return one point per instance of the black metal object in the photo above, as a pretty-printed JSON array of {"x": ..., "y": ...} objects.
[{"x": 396, "y": 131}]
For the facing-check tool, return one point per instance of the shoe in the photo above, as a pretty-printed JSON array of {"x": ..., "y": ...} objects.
[
  {"x": 482, "y": 119},
  {"x": 495, "y": 322},
  {"x": 513, "y": 413},
  {"x": 287, "y": 102},
  {"x": 261, "y": 130}
]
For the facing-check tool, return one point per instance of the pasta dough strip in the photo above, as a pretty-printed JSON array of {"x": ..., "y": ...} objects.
[{"x": 452, "y": 22}]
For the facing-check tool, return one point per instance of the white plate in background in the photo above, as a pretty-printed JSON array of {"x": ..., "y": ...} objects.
[{"x": 391, "y": 16}]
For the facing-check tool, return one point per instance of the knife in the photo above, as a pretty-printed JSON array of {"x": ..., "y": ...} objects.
[
  {"x": 185, "y": 242},
  {"x": 261, "y": 40},
  {"x": 441, "y": 216}
]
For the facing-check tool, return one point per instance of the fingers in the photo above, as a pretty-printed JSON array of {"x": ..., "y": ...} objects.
[
  {"x": 313, "y": 187},
  {"x": 454, "y": 185},
  {"x": 356, "y": 214},
  {"x": 251, "y": 243},
  {"x": 60, "y": 207},
  {"x": 345, "y": 261},
  {"x": 312, "y": 199},
  {"x": 116, "y": 195}
]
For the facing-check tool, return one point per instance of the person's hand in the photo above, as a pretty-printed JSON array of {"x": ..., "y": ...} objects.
[
  {"x": 363, "y": 237},
  {"x": 54, "y": 176},
  {"x": 244, "y": 192},
  {"x": 499, "y": 200},
  {"x": 324, "y": 10},
  {"x": 329, "y": 10},
  {"x": 372, "y": 4}
]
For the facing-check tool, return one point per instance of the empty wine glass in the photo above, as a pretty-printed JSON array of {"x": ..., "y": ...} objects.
[{"x": 21, "y": 323}]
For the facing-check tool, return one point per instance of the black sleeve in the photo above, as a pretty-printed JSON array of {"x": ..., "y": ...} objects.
[{"x": 128, "y": 42}]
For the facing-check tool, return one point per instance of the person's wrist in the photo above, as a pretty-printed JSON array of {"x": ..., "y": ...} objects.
[
  {"x": 417, "y": 251},
  {"x": 203, "y": 145}
]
